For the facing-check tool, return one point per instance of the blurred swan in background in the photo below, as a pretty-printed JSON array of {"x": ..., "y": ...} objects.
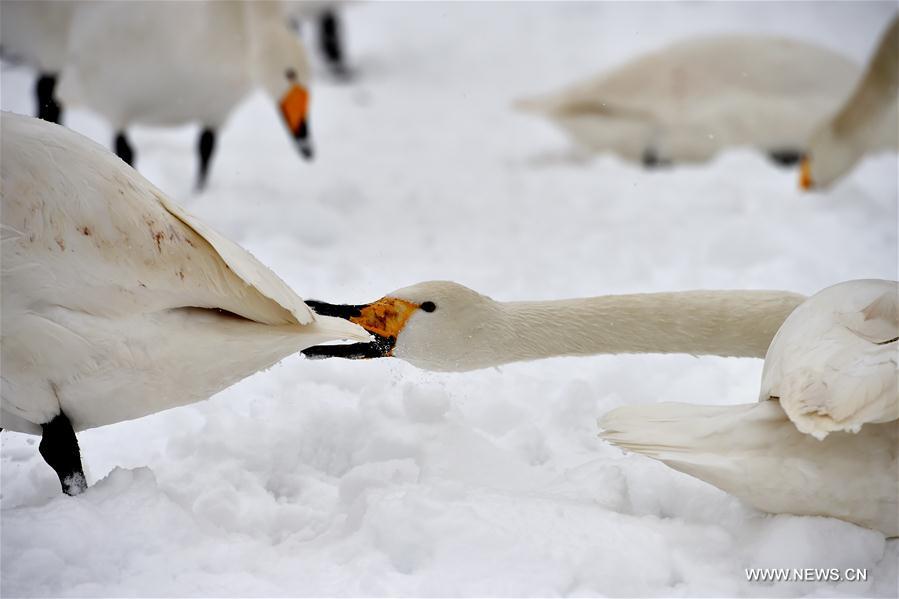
[
  {"x": 37, "y": 33},
  {"x": 440, "y": 325},
  {"x": 331, "y": 37},
  {"x": 689, "y": 100},
  {"x": 866, "y": 123},
  {"x": 116, "y": 302},
  {"x": 823, "y": 439},
  {"x": 184, "y": 62}
]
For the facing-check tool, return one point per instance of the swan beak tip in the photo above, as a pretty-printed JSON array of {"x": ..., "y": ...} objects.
[
  {"x": 295, "y": 111},
  {"x": 805, "y": 175}
]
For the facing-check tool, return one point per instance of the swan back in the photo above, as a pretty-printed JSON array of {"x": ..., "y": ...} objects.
[
  {"x": 832, "y": 364},
  {"x": 96, "y": 236},
  {"x": 690, "y": 99},
  {"x": 208, "y": 71}
]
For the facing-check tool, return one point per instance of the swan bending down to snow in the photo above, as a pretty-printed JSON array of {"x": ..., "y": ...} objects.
[
  {"x": 37, "y": 33},
  {"x": 116, "y": 302},
  {"x": 687, "y": 101},
  {"x": 445, "y": 326},
  {"x": 866, "y": 123},
  {"x": 823, "y": 439},
  {"x": 185, "y": 62}
]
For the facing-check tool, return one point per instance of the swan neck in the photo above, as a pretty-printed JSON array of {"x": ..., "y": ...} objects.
[
  {"x": 721, "y": 323},
  {"x": 875, "y": 94}
]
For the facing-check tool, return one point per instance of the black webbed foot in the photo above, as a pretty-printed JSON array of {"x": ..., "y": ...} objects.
[{"x": 59, "y": 447}]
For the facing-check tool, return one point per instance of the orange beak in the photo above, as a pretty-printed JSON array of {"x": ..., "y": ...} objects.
[
  {"x": 805, "y": 174},
  {"x": 384, "y": 319},
  {"x": 295, "y": 109}
]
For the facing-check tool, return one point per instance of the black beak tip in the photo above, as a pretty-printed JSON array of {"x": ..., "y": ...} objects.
[
  {"x": 379, "y": 347},
  {"x": 344, "y": 311}
]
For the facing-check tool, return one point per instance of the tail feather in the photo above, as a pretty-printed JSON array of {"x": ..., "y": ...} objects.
[
  {"x": 686, "y": 431},
  {"x": 755, "y": 452}
]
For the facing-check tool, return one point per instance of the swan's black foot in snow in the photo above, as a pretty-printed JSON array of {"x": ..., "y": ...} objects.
[
  {"x": 47, "y": 106},
  {"x": 331, "y": 43},
  {"x": 59, "y": 447},
  {"x": 205, "y": 147},
  {"x": 651, "y": 159},
  {"x": 785, "y": 157},
  {"x": 123, "y": 148}
]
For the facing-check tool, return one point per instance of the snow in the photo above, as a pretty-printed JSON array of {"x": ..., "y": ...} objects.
[{"x": 372, "y": 478}]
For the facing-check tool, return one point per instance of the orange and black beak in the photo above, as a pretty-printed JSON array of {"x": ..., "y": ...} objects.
[
  {"x": 384, "y": 319},
  {"x": 805, "y": 174},
  {"x": 295, "y": 110}
]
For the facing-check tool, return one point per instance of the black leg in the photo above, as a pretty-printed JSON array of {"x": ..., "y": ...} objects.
[
  {"x": 331, "y": 42},
  {"x": 47, "y": 106},
  {"x": 59, "y": 446},
  {"x": 651, "y": 159},
  {"x": 206, "y": 147},
  {"x": 785, "y": 157},
  {"x": 123, "y": 148}
]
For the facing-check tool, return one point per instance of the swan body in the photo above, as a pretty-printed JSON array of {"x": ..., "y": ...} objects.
[
  {"x": 685, "y": 102},
  {"x": 866, "y": 123},
  {"x": 185, "y": 62},
  {"x": 824, "y": 437},
  {"x": 440, "y": 325},
  {"x": 116, "y": 302},
  {"x": 174, "y": 78}
]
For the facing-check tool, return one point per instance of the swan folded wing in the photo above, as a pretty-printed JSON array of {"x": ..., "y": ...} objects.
[
  {"x": 245, "y": 265},
  {"x": 851, "y": 380},
  {"x": 84, "y": 231},
  {"x": 843, "y": 395}
]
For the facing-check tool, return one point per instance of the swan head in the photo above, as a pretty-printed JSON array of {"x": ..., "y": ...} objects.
[
  {"x": 829, "y": 157},
  {"x": 436, "y": 325},
  {"x": 283, "y": 71}
]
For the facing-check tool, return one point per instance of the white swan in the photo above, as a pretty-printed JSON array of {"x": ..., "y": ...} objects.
[
  {"x": 184, "y": 62},
  {"x": 116, "y": 302},
  {"x": 824, "y": 438},
  {"x": 687, "y": 101},
  {"x": 37, "y": 33},
  {"x": 832, "y": 364},
  {"x": 445, "y": 326},
  {"x": 866, "y": 123}
]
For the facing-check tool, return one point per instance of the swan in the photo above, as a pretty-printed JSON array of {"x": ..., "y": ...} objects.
[
  {"x": 331, "y": 42},
  {"x": 37, "y": 33},
  {"x": 687, "y": 101},
  {"x": 824, "y": 437},
  {"x": 184, "y": 62},
  {"x": 116, "y": 302},
  {"x": 444, "y": 326},
  {"x": 867, "y": 122},
  {"x": 831, "y": 365}
]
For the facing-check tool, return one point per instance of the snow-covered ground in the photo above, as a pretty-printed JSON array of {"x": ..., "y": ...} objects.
[{"x": 373, "y": 478}]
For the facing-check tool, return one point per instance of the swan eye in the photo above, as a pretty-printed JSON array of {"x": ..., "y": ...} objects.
[
  {"x": 290, "y": 74},
  {"x": 428, "y": 306}
]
